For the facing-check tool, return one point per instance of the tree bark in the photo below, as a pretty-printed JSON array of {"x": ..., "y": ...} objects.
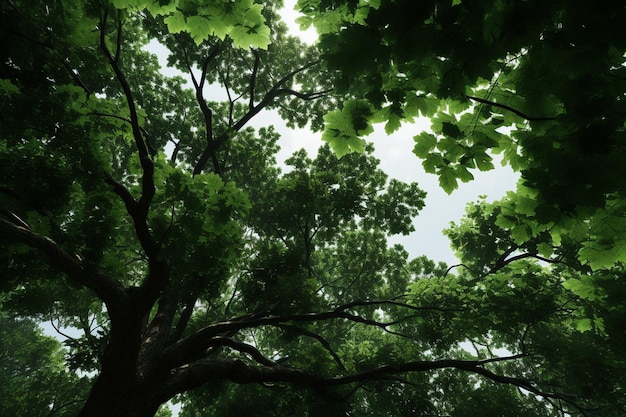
[{"x": 119, "y": 399}]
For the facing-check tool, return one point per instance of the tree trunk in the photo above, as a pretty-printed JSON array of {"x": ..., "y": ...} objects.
[{"x": 121, "y": 399}]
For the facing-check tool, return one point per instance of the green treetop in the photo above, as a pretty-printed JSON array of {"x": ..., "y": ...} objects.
[{"x": 152, "y": 220}]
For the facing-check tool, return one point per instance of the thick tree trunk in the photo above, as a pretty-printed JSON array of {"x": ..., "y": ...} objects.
[
  {"x": 120, "y": 399},
  {"x": 123, "y": 387}
]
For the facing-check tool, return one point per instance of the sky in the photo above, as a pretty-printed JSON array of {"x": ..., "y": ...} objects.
[{"x": 397, "y": 160}]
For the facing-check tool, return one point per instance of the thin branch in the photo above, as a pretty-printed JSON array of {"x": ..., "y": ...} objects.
[
  {"x": 147, "y": 166},
  {"x": 14, "y": 218},
  {"x": 118, "y": 40},
  {"x": 133, "y": 208},
  {"x": 144, "y": 132},
  {"x": 186, "y": 348},
  {"x": 77, "y": 80},
  {"x": 269, "y": 97},
  {"x": 317, "y": 337},
  {"x": 255, "y": 70},
  {"x": 58, "y": 330},
  {"x": 195, "y": 374},
  {"x": 504, "y": 261},
  {"x": 392, "y": 302},
  {"x": 502, "y": 358},
  {"x": 456, "y": 266},
  {"x": 207, "y": 113},
  {"x": 511, "y": 109},
  {"x": 185, "y": 315},
  {"x": 250, "y": 350}
]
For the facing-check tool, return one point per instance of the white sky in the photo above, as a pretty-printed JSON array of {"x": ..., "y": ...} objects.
[{"x": 398, "y": 161}]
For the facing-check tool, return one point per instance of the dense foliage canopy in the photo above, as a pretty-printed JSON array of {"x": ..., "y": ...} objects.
[{"x": 144, "y": 219}]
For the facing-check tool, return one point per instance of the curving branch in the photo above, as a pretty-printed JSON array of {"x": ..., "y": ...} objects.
[
  {"x": 317, "y": 337},
  {"x": 505, "y": 260},
  {"x": 250, "y": 350},
  {"x": 140, "y": 212},
  {"x": 108, "y": 290},
  {"x": 207, "y": 113},
  {"x": 276, "y": 91},
  {"x": 255, "y": 70},
  {"x": 186, "y": 350},
  {"x": 511, "y": 109},
  {"x": 193, "y": 375}
]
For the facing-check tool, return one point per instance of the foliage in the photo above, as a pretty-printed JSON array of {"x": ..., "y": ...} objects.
[
  {"x": 33, "y": 379},
  {"x": 542, "y": 86},
  {"x": 149, "y": 217}
]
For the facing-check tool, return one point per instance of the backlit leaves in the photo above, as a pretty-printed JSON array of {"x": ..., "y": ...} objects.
[
  {"x": 344, "y": 127},
  {"x": 240, "y": 20}
]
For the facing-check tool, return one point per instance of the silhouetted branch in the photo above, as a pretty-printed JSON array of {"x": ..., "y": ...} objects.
[
  {"x": 511, "y": 109},
  {"x": 140, "y": 213}
]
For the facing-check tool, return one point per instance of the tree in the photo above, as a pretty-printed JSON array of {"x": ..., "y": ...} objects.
[
  {"x": 539, "y": 84},
  {"x": 33, "y": 377},
  {"x": 156, "y": 222}
]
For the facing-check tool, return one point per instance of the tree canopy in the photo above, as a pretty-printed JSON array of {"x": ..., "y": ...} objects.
[{"x": 145, "y": 214}]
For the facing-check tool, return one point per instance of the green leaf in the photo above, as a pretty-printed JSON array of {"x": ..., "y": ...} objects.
[
  {"x": 601, "y": 255},
  {"x": 199, "y": 28},
  {"x": 521, "y": 233},
  {"x": 451, "y": 130},
  {"x": 424, "y": 143},
  {"x": 433, "y": 162},
  {"x": 463, "y": 173},
  {"x": 483, "y": 161},
  {"x": 448, "y": 179},
  {"x": 546, "y": 250},
  {"x": 305, "y": 22},
  {"x": 7, "y": 87},
  {"x": 246, "y": 37},
  {"x": 584, "y": 325},
  {"x": 394, "y": 123},
  {"x": 525, "y": 205},
  {"x": 175, "y": 23},
  {"x": 346, "y": 145},
  {"x": 585, "y": 288}
]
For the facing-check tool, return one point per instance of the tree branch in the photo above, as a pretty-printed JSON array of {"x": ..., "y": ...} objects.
[
  {"x": 207, "y": 113},
  {"x": 317, "y": 337},
  {"x": 108, "y": 290},
  {"x": 183, "y": 320},
  {"x": 511, "y": 109},
  {"x": 185, "y": 350},
  {"x": 133, "y": 208},
  {"x": 250, "y": 350},
  {"x": 272, "y": 94},
  {"x": 147, "y": 166},
  {"x": 504, "y": 261},
  {"x": 255, "y": 70},
  {"x": 193, "y": 375}
]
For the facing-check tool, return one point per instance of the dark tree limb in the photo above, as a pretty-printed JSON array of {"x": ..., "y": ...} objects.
[
  {"x": 255, "y": 70},
  {"x": 250, "y": 350},
  {"x": 108, "y": 290},
  {"x": 276, "y": 91},
  {"x": 317, "y": 337},
  {"x": 183, "y": 320},
  {"x": 147, "y": 165},
  {"x": 505, "y": 260},
  {"x": 207, "y": 113},
  {"x": 185, "y": 350},
  {"x": 190, "y": 376},
  {"x": 511, "y": 109},
  {"x": 146, "y": 240}
]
